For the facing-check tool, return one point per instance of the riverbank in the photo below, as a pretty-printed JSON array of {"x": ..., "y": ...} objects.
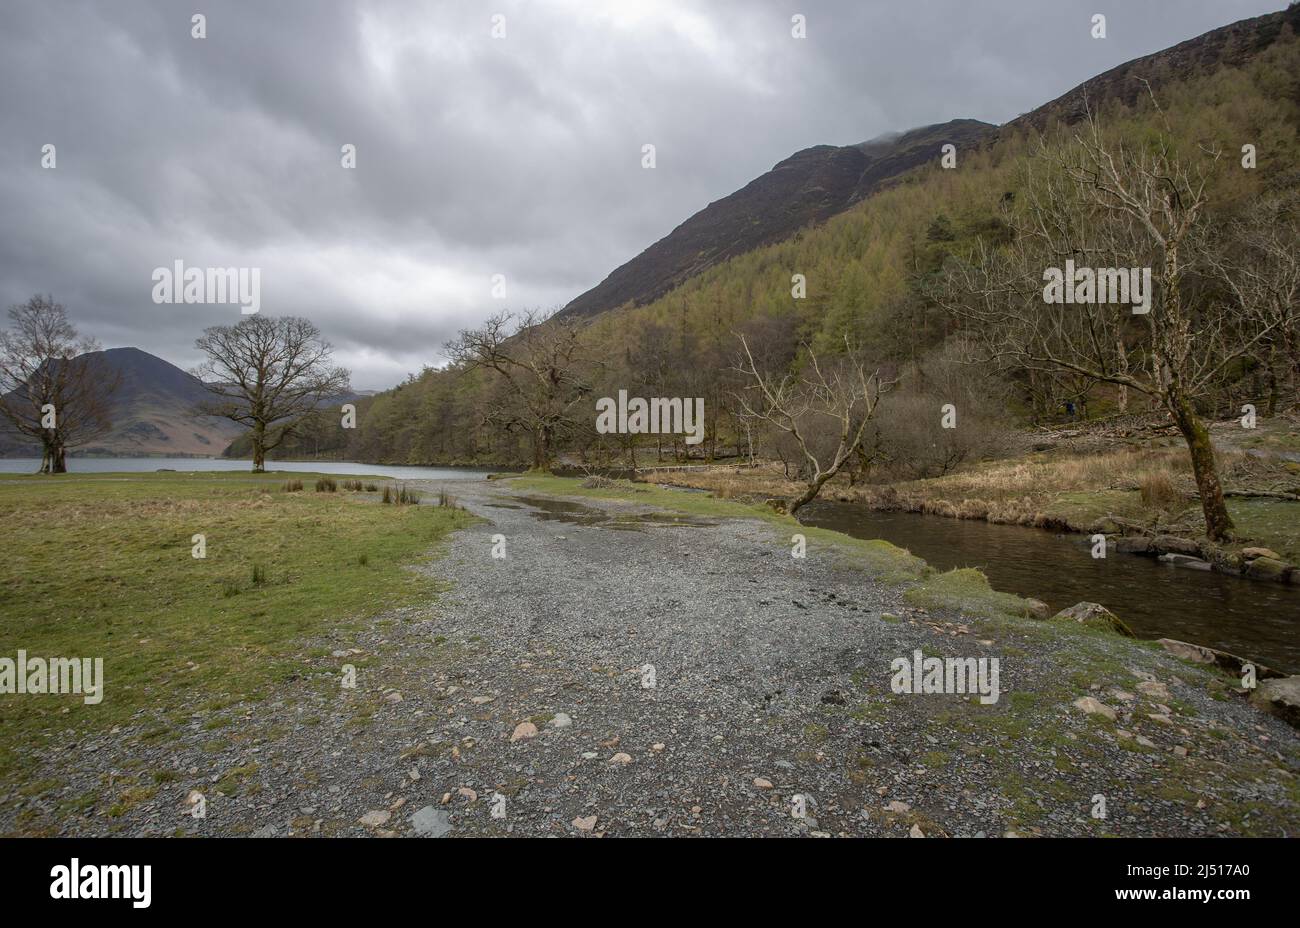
[
  {"x": 1136, "y": 489},
  {"x": 642, "y": 661}
]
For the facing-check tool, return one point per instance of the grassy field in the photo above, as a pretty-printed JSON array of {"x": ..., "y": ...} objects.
[{"x": 100, "y": 565}]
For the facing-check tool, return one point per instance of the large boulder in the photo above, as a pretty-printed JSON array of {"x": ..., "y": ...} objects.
[
  {"x": 1137, "y": 544},
  {"x": 1094, "y": 615},
  {"x": 1176, "y": 545},
  {"x": 1279, "y": 697},
  {"x": 1268, "y": 568},
  {"x": 1200, "y": 654},
  {"x": 1251, "y": 553},
  {"x": 1037, "y": 609}
]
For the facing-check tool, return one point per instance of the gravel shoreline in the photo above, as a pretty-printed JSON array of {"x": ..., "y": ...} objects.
[{"x": 517, "y": 703}]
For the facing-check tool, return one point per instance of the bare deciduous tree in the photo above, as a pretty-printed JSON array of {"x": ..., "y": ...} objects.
[
  {"x": 1110, "y": 204},
  {"x": 542, "y": 363},
  {"x": 825, "y": 411},
  {"x": 1258, "y": 261},
  {"x": 50, "y": 390},
  {"x": 268, "y": 373},
  {"x": 947, "y": 410}
]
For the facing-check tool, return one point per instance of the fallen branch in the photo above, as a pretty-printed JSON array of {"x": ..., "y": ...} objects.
[{"x": 1261, "y": 494}]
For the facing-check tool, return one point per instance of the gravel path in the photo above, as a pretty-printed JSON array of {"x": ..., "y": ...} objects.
[{"x": 520, "y": 702}]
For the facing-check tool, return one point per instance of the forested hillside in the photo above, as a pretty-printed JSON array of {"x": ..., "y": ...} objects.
[{"x": 870, "y": 273}]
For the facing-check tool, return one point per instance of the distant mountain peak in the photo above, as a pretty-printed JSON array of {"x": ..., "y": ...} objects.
[{"x": 152, "y": 411}]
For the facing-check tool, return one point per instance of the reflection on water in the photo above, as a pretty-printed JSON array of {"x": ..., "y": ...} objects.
[
  {"x": 1255, "y": 619},
  {"x": 185, "y": 465}
]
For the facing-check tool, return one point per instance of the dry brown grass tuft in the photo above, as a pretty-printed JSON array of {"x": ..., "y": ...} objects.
[{"x": 1157, "y": 491}]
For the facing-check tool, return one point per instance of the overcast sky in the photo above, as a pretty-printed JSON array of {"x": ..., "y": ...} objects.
[{"x": 476, "y": 155}]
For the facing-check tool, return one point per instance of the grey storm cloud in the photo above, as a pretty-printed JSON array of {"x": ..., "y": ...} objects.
[{"x": 476, "y": 155}]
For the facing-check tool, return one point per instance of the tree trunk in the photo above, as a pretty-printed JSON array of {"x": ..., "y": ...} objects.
[
  {"x": 809, "y": 494},
  {"x": 259, "y": 447},
  {"x": 1271, "y": 376},
  {"x": 542, "y": 449},
  {"x": 54, "y": 457},
  {"x": 1122, "y": 355},
  {"x": 1218, "y": 524}
]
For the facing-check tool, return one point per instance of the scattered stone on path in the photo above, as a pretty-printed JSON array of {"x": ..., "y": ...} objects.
[
  {"x": 468, "y": 793},
  {"x": 762, "y": 783},
  {"x": 1153, "y": 689},
  {"x": 376, "y": 817},
  {"x": 561, "y": 720},
  {"x": 916, "y": 832},
  {"x": 431, "y": 823},
  {"x": 898, "y": 806},
  {"x": 587, "y": 823},
  {"x": 481, "y": 700},
  {"x": 524, "y": 730},
  {"x": 1093, "y": 707},
  {"x": 621, "y": 758}
]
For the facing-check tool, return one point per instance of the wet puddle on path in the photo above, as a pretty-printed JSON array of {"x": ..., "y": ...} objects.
[{"x": 558, "y": 510}]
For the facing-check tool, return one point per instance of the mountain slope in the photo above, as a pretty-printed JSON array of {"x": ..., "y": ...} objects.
[
  {"x": 1226, "y": 47},
  {"x": 807, "y": 188},
  {"x": 817, "y": 183},
  {"x": 152, "y": 411}
]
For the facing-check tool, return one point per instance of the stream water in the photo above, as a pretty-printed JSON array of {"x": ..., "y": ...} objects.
[{"x": 1256, "y": 619}]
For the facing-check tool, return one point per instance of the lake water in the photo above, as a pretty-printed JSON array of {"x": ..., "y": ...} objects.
[
  {"x": 1255, "y": 619},
  {"x": 186, "y": 465}
]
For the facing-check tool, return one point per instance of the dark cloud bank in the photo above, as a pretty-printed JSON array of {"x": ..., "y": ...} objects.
[{"x": 475, "y": 155}]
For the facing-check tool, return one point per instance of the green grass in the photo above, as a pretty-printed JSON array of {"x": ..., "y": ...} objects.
[
  {"x": 965, "y": 590},
  {"x": 100, "y": 565},
  {"x": 1270, "y": 523},
  {"x": 885, "y": 561}
]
